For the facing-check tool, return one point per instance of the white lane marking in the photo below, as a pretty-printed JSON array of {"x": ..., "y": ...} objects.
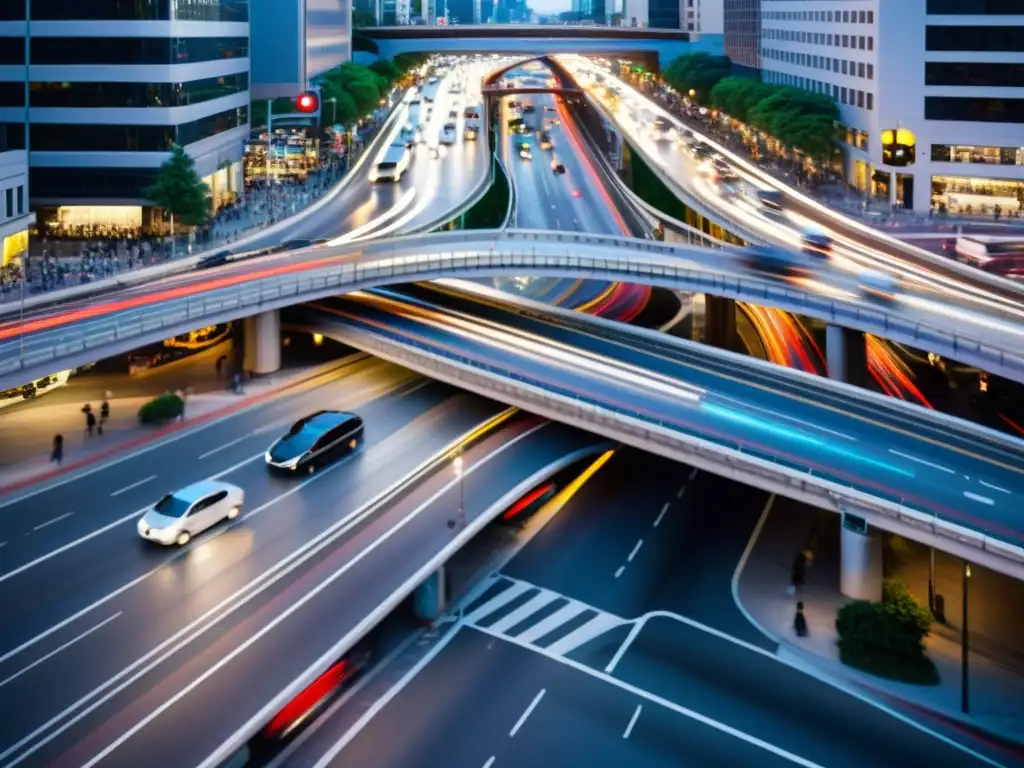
[
  {"x": 921, "y": 461},
  {"x": 324, "y": 541},
  {"x": 584, "y": 634},
  {"x": 490, "y": 762},
  {"x": 228, "y": 444},
  {"x": 619, "y": 572},
  {"x": 742, "y": 564},
  {"x": 995, "y": 487},
  {"x": 658, "y": 700},
  {"x": 976, "y": 497},
  {"x": 529, "y": 710},
  {"x": 58, "y": 649},
  {"x": 693, "y": 474},
  {"x": 530, "y": 607},
  {"x": 136, "y": 484},
  {"x": 635, "y": 550},
  {"x": 680, "y": 492},
  {"x": 107, "y": 527},
  {"x": 559, "y": 618},
  {"x": 632, "y": 721},
  {"x": 661, "y": 514},
  {"x": 499, "y": 600},
  {"x": 40, "y": 527},
  {"x": 785, "y": 417}
]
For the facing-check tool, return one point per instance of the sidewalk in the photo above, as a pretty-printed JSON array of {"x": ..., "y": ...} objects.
[
  {"x": 26, "y": 433},
  {"x": 997, "y": 703}
]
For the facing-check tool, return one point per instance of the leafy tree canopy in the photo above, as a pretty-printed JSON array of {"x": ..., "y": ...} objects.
[
  {"x": 363, "y": 19},
  {"x": 699, "y": 72},
  {"x": 179, "y": 190}
]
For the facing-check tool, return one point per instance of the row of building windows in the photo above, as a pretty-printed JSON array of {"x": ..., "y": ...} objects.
[
  {"x": 863, "y": 42},
  {"x": 851, "y": 97},
  {"x": 964, "y": 38},
  {"x": 123, "y": 50},
  {"x": 131, "y": 95},
  {"x": 844, "y": 67},
  {"x": 955, "y": 153},
  {"x": 840, "y": 17},
  {"x": 47, "y": 137},
  {"x": 974, "y": 73},
  {"x": 70, "y": 183},
  {"x": 975, "y": 110},
  {"x": 127, "y": 10},
  {"x": 975, "y": 7}
]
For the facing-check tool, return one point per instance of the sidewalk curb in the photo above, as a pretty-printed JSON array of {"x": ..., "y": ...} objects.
[
  {"x": 856, "y": 683},
  {"x": 244, "y": 402}
]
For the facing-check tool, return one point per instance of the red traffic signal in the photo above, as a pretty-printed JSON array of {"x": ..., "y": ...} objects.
[{"x": 307, "y": 102}]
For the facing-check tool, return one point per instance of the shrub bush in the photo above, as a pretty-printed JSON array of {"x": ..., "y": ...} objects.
[
  {"x": 160, "y": 409},
  {"x": 887, "y": 638}
]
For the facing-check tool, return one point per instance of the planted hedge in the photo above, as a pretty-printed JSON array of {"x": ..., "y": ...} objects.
[{"x": 166, "y": 407}]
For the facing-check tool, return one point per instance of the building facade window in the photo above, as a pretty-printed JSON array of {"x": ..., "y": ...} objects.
[
  {"x": 136, "y": 95},
  {"x": 139, "y": 10},
  {"x": 89, "y": 182},
  {"x": 979, "y": 110},
  {"x": 12, "y": 136},
  {"x": 963, "y": 38},
  {"x": 974, "y": 7},
  {"x": 953, "y": 153},
  {"x": 136, "y": 50},
  {"x": 974, "y": 74},
  {"x": 12, "y": 51}
]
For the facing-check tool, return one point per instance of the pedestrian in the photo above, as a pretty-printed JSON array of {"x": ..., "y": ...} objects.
[
  {"x": 90, "y": 422},
  {"x": 799, "y": 621},
  {"x": 104, "y": 411},
  {"x": 58, "y": 449}
]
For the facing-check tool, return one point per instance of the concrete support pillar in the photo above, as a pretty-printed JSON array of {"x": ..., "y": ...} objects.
[
  {"x": 860, "y": 566},
  {"x": 892, "y": 188},
  {"x": 430, "y": 597},
  {"x": 263, "y": 343},
  {"x": 846, "y": 350},
  {"x": 720, "y": 322}
]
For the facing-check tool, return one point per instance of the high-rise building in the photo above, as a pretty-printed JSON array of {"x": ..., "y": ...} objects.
[
  {"x": 667, "y": 14},
  {"x": 15, "y": 217},
  {"x": 463, "y": 11},
  {"x": 710, "y": 17},
  {"x": 112, "y": 86},
  {"x": 948, "y": 75},
  {"x": 742, "y": 28}
]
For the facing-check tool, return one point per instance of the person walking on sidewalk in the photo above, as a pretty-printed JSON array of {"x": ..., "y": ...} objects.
[
  {"x": 104, "y": 410},
  {"x": 58, "y": 449},
  {"x": 798, "y": 576},
  {"x": 799, "y": 621}
]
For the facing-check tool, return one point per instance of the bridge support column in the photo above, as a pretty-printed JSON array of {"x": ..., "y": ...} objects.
[
  {"x": 860, "y": 563},
  {"x": 430, "y": 597},
  {"x": 720, "y": 322},
  {"x": 263, "y": 343},
  {"x": 846, "y": 350}
]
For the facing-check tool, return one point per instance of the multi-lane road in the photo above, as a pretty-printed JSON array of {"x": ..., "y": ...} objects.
[
  {"x": 910, "y": 459},
  {"x": 546, "y": 668}
]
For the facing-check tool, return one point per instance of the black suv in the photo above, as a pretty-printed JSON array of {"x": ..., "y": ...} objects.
[{"x": 315, "y": 440}]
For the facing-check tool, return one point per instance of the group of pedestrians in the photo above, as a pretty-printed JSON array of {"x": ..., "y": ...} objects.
[{"x": 93, "y": 426}]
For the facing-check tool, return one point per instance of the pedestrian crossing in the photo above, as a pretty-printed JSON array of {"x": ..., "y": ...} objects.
[{"x": 537, "y": 616}]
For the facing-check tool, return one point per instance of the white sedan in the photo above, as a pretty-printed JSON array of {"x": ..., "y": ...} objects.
[{"x": 179, "y": 516}]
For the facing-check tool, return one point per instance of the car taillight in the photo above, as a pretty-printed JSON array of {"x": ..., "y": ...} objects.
[{"x": 306, "y": 702}]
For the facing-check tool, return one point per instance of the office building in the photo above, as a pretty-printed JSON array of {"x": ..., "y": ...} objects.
[
  {"x": 15, "y": 217},
  {"x": 741, "y": 23},
  {"x": 462, "y": 11},
  {"x": 948, "y": 74},
  {"x": 710, "y": 17},
  {"x": 295, "y": 41},
  {"x": 112, "y": 86}
]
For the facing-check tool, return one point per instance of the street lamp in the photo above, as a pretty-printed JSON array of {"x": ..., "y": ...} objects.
[
  {"x": 457, "y": 466},
  {"x": 964, "y": 652}
]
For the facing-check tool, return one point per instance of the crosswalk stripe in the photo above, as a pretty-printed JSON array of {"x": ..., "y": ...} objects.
[
  {"x": 563, "y": 615},
  {"x": 530, "y": 607},
  {"x": 510, "y": 594},
  {"x": 600, "y": 623}
]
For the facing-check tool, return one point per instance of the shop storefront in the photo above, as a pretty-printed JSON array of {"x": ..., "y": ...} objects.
[
  {"x": 974, "y": 195},
  {"x": 293, "y": 155},
  {"x": 15, "y": 246},
  {"x": 225, "y": 185}
]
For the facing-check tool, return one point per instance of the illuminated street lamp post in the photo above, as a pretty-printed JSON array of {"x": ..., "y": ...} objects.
[{"x": 461, "y": 517}]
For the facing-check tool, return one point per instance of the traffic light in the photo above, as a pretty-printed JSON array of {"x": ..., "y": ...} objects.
[{"x": 307, "y": 102}]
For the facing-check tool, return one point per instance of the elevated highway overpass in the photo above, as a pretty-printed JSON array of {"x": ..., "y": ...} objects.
[
  {"x": 657, "y": 46},
  {"x": 56, "y": 337}
]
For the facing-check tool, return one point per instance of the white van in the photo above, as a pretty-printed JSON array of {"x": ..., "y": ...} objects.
[{"x": 392, "y": 165}]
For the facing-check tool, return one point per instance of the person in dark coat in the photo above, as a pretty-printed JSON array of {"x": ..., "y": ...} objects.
[
  {"x": 90, "y": 422},
  {"x": 799, "y": 574},
  {"x": 58, "y": 449},
  {"x": 799, "y": 621}
]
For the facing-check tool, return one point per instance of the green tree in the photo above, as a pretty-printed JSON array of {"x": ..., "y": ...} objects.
[
  {"x": 363, "y": 19},
  {"x": 736, "y": 95},
  {"x": 363, "y": 84},
  {"x": 179, "y": 190},
  {"x": 797, "y": 118},
  {"x": 342, "y": 110},
  {"x": 387, "y": 69},
  {"x": 699, "y": 72}
]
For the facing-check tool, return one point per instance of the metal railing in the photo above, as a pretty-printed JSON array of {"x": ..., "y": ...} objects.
[
  {"x": 492, "y": 252},
  {"x": 725, "y": 458}
]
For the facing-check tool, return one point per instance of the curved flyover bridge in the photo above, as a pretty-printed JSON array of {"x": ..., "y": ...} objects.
[{"x": 56, "y": 337}]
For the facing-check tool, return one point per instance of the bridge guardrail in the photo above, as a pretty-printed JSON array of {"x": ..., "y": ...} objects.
[
  {"x": 403, "y": 259},
  {"x": 981, "y": 546}
]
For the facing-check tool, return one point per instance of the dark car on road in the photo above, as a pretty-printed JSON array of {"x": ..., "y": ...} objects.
[{"x": 316, "y": 440}]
